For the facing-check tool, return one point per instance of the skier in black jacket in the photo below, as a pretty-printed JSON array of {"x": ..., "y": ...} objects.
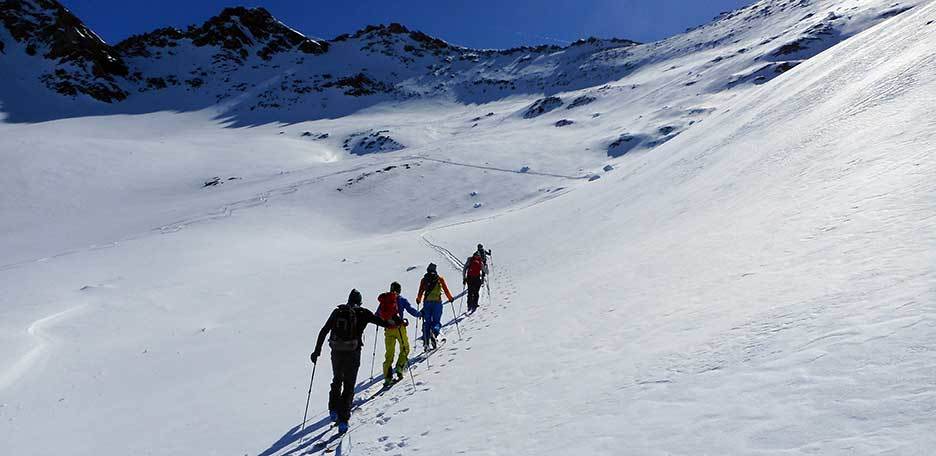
[{"x": 346, "y": 325}]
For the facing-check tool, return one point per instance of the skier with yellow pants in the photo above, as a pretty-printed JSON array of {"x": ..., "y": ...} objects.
[{"x": 391, "y": 308}]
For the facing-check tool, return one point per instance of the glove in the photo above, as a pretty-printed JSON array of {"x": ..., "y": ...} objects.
[
  {"x": 395, "y": 321},
  {"x": 314, "y": 357},
  {"x": 465, "y": 282}
]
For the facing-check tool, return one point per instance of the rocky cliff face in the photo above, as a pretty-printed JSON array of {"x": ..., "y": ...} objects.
[
  {"x": 237, "y": 32},
  {"x": 84, "y": 62}
]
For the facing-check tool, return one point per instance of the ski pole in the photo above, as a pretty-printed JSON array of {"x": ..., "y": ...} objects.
[
  {"x": 490, "y": 298},
  {"x": 456, "y": 320},
  {"x": 374, "y": 355},
  {"x": 408, "y": 367},
  {"x": 422, "y": 330},
  {"x": 460, "y": 300},
  {"x": 309, "y": 398}
]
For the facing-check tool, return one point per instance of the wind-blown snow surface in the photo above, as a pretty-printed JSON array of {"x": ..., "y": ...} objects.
[{"x": 764, "y": 284}]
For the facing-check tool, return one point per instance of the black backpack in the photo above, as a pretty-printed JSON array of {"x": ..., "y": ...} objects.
[{"x": 343, "y": 337}]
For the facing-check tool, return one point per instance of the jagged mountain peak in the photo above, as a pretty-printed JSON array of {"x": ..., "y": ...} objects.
[
  {"x": 86, "y": 63},
  {"x": 240, "y": 30}
]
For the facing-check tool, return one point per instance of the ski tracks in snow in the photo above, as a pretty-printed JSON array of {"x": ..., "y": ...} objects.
[
  {"x": 375, "y": 410},
  {"x": 389, "y": 445}
]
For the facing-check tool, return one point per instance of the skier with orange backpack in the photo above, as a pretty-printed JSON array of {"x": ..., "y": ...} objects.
[
  {"x": 391, "y": 308},
  {"x": 431, "y": 288}
]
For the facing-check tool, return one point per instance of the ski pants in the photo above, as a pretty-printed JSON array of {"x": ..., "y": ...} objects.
[
  {"x": 474, "y": 292},
  {"x": 344, "y": 377},
  {"x": 391, "y": 337},
  {"x": 432, "y": 318}
]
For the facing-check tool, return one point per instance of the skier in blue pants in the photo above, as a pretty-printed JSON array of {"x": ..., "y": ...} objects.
[{"x": 431, "y": 288}]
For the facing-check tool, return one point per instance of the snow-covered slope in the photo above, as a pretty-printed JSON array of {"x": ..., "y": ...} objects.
[{"x": 752, "y": 274}]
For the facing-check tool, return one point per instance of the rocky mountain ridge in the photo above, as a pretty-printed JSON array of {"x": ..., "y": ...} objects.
[{"x": 257, "y": 67}]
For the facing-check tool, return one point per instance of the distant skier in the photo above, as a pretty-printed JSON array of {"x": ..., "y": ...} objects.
[
  {"x": 484, "y": 257},
  {"x": 346, "y": 325},
  {"x": 391, "y": 307},
  {"x": 473, "y": 276},
  {"x": 431, "y": 288}
]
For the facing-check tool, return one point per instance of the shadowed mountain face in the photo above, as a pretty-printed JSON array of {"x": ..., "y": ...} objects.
[
  {"x": 85, "y": 64},
  {"x": 253, "y": 69}
]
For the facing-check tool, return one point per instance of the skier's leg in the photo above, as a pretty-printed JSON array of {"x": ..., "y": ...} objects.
[
  {"x": 351, "y": 364},
  {"x": 472, "y": 294},
  {"x": 436, "y": 317},
  {"x": 390, "y": 346},
  {"x": 404, "y": 349},
  {"x": 474, "y": 285},
  {"x": 427, "y": 324},
  {"x": 334, "y": 394}
]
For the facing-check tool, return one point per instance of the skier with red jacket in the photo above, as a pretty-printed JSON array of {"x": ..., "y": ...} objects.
[
  {"x": 391, "y": 308},
  {"x": 473, "y": 276}
]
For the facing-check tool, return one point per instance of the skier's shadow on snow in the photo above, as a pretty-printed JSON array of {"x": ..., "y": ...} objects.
[{"x": 324, "y": 425}]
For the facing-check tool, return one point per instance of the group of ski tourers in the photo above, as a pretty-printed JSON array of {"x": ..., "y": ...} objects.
[{"x": 346, "y": 324}]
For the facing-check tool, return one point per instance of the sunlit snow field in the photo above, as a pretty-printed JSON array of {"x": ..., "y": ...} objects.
[{"x": 763, "y": 283}]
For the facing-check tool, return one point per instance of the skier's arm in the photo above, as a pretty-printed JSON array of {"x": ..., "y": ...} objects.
[
  {"x": 405, "y": 305},
  {"x": 422, "y": 289},
  {"x": 371, "y": 318},
  {"x": 445, "y": 289},
  {"x": 323, "y": 334}
]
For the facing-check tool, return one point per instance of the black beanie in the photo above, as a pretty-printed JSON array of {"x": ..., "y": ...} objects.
[{"x": 354, "y": 299}]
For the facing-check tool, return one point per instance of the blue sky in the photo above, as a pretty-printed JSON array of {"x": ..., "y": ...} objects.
[{"x": 475, "y": 23}]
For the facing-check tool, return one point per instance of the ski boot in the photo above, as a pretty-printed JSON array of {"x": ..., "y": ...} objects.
[{"x": 388, "y": 379}]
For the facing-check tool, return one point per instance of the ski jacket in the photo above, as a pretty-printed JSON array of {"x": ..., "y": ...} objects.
[
  {"x": 434, "y": 294},
  {"x": 404, "y": 304},
  {"x": 363, "y": 317}
]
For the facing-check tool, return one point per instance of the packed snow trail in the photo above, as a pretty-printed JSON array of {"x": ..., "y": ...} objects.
[{"x": 367, "y": 409}]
